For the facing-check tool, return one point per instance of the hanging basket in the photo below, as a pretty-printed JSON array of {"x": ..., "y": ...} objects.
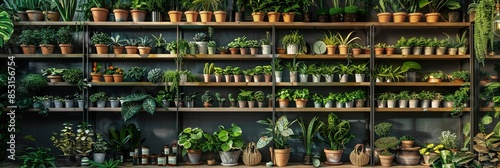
[
  {"x": 359, "y": 157},
  {"x": 251, "y": 155}
]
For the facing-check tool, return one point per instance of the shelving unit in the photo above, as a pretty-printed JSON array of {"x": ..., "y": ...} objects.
[{"x": 367, "y": 115}]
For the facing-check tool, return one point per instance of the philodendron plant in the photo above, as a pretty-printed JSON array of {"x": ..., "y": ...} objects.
[{"x": 278, "y": 132}]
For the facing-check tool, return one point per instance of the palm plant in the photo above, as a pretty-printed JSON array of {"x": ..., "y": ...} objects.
[{"x": 346, "y": 41}]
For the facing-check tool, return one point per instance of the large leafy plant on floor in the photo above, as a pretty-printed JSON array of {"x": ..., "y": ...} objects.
[
  {"x": 6, "y": 27},
  {"x": 133, "y": 103}
]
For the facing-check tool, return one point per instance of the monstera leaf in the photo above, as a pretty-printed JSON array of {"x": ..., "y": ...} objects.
[
  {"x": 6, "y": 27},
  {"x": 132, "y": 104}
]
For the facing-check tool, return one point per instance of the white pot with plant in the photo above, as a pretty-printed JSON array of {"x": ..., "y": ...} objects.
[
  {"x": 201, "y": 41},
  {"x": 99, "y": 98},
  {"x": 266, "y": 44},
  {"x": 403, "y": 97},
  {"x": 100, "y": 147},
  {"x": 212, "y": 46},
  {"x": 318, "y": 100},
  {"x": 293, "y": 67},
  {"x": 426, "y": 97},
  {"x": 344, "y": 72},
  {"x": 359, "y": 71},
  {"x": 404, "y": 45},
  {"x": 436, "y": 101},
  {"x": 294, "y": 43}
]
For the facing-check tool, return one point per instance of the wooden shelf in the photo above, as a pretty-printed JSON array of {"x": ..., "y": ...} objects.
[
  {"x": 418, "y": 84},
  {"x": 119, "y": 109},
  {"x": 126, "y": 84},
  {"x": 403, "y": 110},
  {"x": 225, "y": 109},
  {"x": 420, "y": 25},
  {"x": 132, "y": 56},
  {"x": 132, "y": 25},
  {"x": 323, "y": 84},
  {"x": 336, "y": 56},
  {"x": 424, "y": 57},
  {"x": 47, "y": 23},
  {"x": 60, "y": 84},
  {"x": 229, "y": 84},
  {"x": 228, "y": 57},
  {"x": 56, "y": 110},
  {"x": 42, "y": 56},
  {"x": 492, "y": 57},
  {"x": 312, "y": 109},
  {"x": 490, "y": 109}
]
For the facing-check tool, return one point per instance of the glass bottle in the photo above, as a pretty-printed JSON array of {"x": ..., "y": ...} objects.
[
  {"x": 162, "y": 159},
  {"x": 166, "y": 150},
  {"x": 174, "y": 149}
]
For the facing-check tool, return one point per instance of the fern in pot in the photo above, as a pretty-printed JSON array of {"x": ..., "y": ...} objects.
[{"x": 99, "y": 98}]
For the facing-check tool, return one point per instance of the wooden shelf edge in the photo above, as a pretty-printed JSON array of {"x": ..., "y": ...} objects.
[
  {"x": 398, "y": 56},
  {"x": 132, "y": 56},
  {"x": 323, "y": 84},
  {"x": 53, "y": 110},
  {"x": 42, "y": 56},
  {"x": 310, "y": 56},
  {"x": 312, "y": 109},
  {"x": 418, "y": 84},
  {"x": 403, "y": 110},
  {"x": 109, "y": 109},
  {"x": 228, "y": 56}
]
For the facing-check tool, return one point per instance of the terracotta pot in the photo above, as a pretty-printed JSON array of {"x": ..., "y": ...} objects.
[
  {"x": 343, "y": 49},
  {"x": 280, "y": 51},
  {"x": 386, "y": 161},
  {"x": 22, "y": 15},
  {"x": 333, "y": 156},
  {"x": 433, "y": 80},
  {"x": 175, "y": 16},
  {"x": 399, "y": 17},
  {"x": 414, "y": 17},
  {"x": 117, "y": 78},
  {"x": 205, "y": 16},
  {"x": 367, "y": 51},
  {"x": 131, "y": 49},
  {"x": 330, "y": 49},
  {"x": 108, "y": 78},
  {"x": 207, "y": 104},
  {"x": 206, "y": 77},
  {"x": 191, "y": 16},
  {"x": 118, "y": 49},
  {"x": 283, "y": 103},
  {"x": 389, "y": 51},
  {"x": 243, "y": 51},
  {"x": 138, "y": 15},
  {"x": 407, "y": 144},
  {"x": 273, "y": 16},
  {"x": 237, "y": 78},
  {"x": 223, "y": 52},
  {"x": 234, "y": 51},
  {"x": 300, "y": 103},
  {"x": 432, "y": 17},
  {"x": 281, "y": 157},
  {"x": 99, "y": 14},
  {"x": 96, "y": 77},
  {"x": 379, "y": 51},
  {"x": 55, "y": 78},
  {"x": 253, "y": 51},
  {"x": 47, "y": 49},
  {"x": 121, "y": 15},
  {"x": 35, "y": 15},
  {"x": 66, "y": 48},
  {"x": 288, "y": 17},
  {"x": 258, "y": 16},
  {"x": 144, "y": 50},
  {"x": 356, "y": 51},
  {"x": 384, "y": 17},
  {"x": 267, "y": 78},
  {"x": 53, "y": 16},
  {"x": 472, "y": 16},
  {"x": 101, "y": 48},
  {"x": 220, "y": 16}
]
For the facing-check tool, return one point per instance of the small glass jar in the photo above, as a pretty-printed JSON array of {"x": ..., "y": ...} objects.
[
  {"x": 174, "y": 149},
  {"x": 172, "y": 160},
  {"x": 136, "y": 160},
  {"x": 154, "y": 159},
  {"x": 162, "y": 159},
  {"x": 145, "y": 151},
  {"x": 136, "y": 152},
  {"x": 166, "y": 150},
  {"x": 144, "y": 160}
]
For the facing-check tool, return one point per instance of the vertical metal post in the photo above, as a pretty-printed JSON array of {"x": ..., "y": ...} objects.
[
  {"x": 372, "y": 95},
  {"x": 474, "y": 89},
  {"x": 274, "y": 56}
]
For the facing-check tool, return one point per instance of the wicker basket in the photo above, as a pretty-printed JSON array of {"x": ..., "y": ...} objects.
[
  {"x": 359, "y": 157},
  {"x": 251, "y": 155}
]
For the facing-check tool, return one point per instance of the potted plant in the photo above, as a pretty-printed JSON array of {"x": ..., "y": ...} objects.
[
  {"x": 218, "y": 72},
  {"x": 328, "y": 100},
  {"x": 383, "y": 15},
  {"x": 191, "y": 139},
  {"x": 135, "y": 73},
  {"x": 190, "y": 10},
  {"x": 382, "y": 99},
  {"x": 96, "y": 72},
  {"x": 118, "y": 44},
  {"x": 120, "y": 10},
  {"x": 207, "y": 71},
  {"x": 391, "y": 99},
  {"x": 266, "y": 43},
  {"x": 248, "y": 73},
  {"x": 230, "y": 142},
  {"x": 64, "y": 37},
  {"x": 432, "y": 43},
  {"x": 441, "y": 47},
  {"x": 426, "y": 97},
  {"x": 138, "y": 10},
  {"x": 222, "y": 49},
  {"x": 448, "y": 140},
  {"x": 318, "y": 100},
  {"x": 434, "y": 77},
  {"x": 389, "y": 49},
  {"x": 211, "y": 47},
  {"x": 253, "y": 45},
  {"x": 379, "y": 48},
  {"x": 278, "y": 70},
  {"x": 360, "y": 71},
  {"x": 300, "y": 96},
  {"x": 108, "y": 74},
  {"x": 58, "y": 102},
  {"x": 280, "y": 134},
  {"x": 99, "y": 147},
  {"x": 336, "y": 133},
  {"x": 309, "y": 134},
  {"x": 236, "y": 74},
  {"x": 409, "y": 67},
  {"x": 413, "y": 15},
  {"x": 244, "y": 97},
  {"x": 99, "y": 98},
  {"x": 385, "y": 143},
  {"x": 293, "y": 42},
  {"x": 259, "y": 97},
  {"x": 145, "y": 45},
  {"x": 418, "y": 44},
  {"x": 457, "y": 44},
  {"x": 360, "y": 97},
  {"x": 292, "y": 67},
  {"x": 343, "y": 42},
  {"x": 101, "y": 42},
  {"x": 344, "y": 72},
  {"x": 28, "y": 40},
  {"x": 118, "y": 74},
  {"x": 407, "y": 141},
  {"x": 131, "y": 45},
  {"x": 404, "y": 44},
  {"x": 65, "y": 141},
  {"x": 159, "y": 43},
  {"x": 54, "y": 74},
  {"x": 398, "y": 7},
  {"x": 403, "y": 97},
  {"x": 413, "y": 102},
  {"x": 284, "y": 96},
  {"x": 459, "y": 76},
  {"x": 336, "y": 11},
  {"x": 331, "y": 42},
  {"x": 68, "y": 101},
  {"x": 207, "y": 99},
  {"x": 220, "y": 99},
  {"x": 267, "y": 70},
  {"x": 228, "y": 73},
  {"x": 231, "y": 99},
  {"x": 435, "y": 7},
  {"x": 304, "y": 71},
  {"x": 257, "y": 73},
  {"x": 202, "y": 42},
  {"x": 289, "y": 8},
  {"x": 351, "y": 11},
  {"x": 99, "y": 11}
]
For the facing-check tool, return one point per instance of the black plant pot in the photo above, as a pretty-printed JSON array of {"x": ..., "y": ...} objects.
[
  {"x": 351, "y": 17},
  {"x": 337, "y": 18},
  {"x": 160, "y": 50},
  {"x": 67, "y": 161},
  {"x": 454, "y": 16},
  {"x": 307, "y": 159},
  {"x": 307, "y": 17},
  {"x": 323, "y": 18}
]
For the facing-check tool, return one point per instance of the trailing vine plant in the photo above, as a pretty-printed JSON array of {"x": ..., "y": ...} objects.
[{"x": 482, "y": 29}]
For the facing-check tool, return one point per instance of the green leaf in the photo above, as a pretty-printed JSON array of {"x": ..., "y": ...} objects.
[
  {"x": 129, "y": 109},
  {"x": 451, "y": 4},
  {"x": 466, "y": 129},
  {"x": 496, "y": 130},
  {"x": 223, "y": 135},
  {"x": 487, "y": 119},
  {"x": 423, "y": 3},
  {"x": 149, "y": 105},
  {"x": 236, "y": 131},
  {"x": 263, "y": 141},
  {"x": 135, "y": 97},
  {"x": 6, "y": 27}
]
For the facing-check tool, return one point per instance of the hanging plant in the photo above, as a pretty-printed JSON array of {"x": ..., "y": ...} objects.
[{"x": 482, "y": 29}]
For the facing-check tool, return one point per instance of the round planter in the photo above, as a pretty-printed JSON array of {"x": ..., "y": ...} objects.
[
  {"x": 386, "y": 161},
  {"x": 266, "y": 49},
  {"x": 220, "y": 16},
  {"x": 66, "y": 48},
  {"x": 283, "y": 103},
  {"x": 440, "y": 50},
  {"x": 55, "y": 78},
  {"x": 101, "y": 103},
  {"x": 22, "y": 15},
  {"x": 417, "y": 50},
  {"x": 121, "y": 15},
  {"x": 28, "y": 49},
  {"x": 101, "y": 48},
  {"x": 462, "y": 50},
  {"x": 343, "y": 49},
  {"x": 68, "y": 103},
  {"x": 300, "y": 103},
  {"x": 408, "y": 156},
  {"x": 413, "y": 103},
  {"x": 330, "y": 49},
  {"x": 389, "y": 51},
  {"x": 131, "y": 49},
  {"x": 405, "y": 50},
  {"x": 293, "y": 76},
  {"x": 99, "y": 157},
  {"x": 333, "y": 156},
  {"x": 99, "y": 14},
  {"x": 355, "y": 51},
  {"x": 280, "y": 51},
  {"x": 292, "y": 49},
  {"x": 379, "y": 51},
  {"x": 258, "y": 16},
  {"x": 428, "y": 50},
  {"x": 205, "y": 16},
  {"x": 202, "y": 47},
  {"x": 138, "y": 15},
  {"x": 118, "y": 49},
  {"x": 403, "y": 103},
  {"x": 242, "y": 104},
  {"x": 432, "y": 17},
  {"x": 234, "y": 51},
  {"x": 175, "y": 16},
  {"x": 191, "y": 16},
  {"x": 281, "y": 157},
  {"x": 384, "y": 17},
  {"x": 278, "y": 76},
  {"x": 47, "y": 49},
  {"x": 194, "y": 156},
  {"x": 144, "y": 50},
  {"x": 273, "y": 16},
  {"x": 414, "y": 17},
  {"x": 230, "y": 157},
  {"x": 35, "y": 15},
  {"x": 53, "y": 16},
  {"x": 243, "y": 51},
  {"x": 96, "y": 77},
  {"x": 117, "y": 78},
  {"x": 288, "y": 17},
  {"x": 108, "y": 78},
  {"x": 399, "y": 17}
]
